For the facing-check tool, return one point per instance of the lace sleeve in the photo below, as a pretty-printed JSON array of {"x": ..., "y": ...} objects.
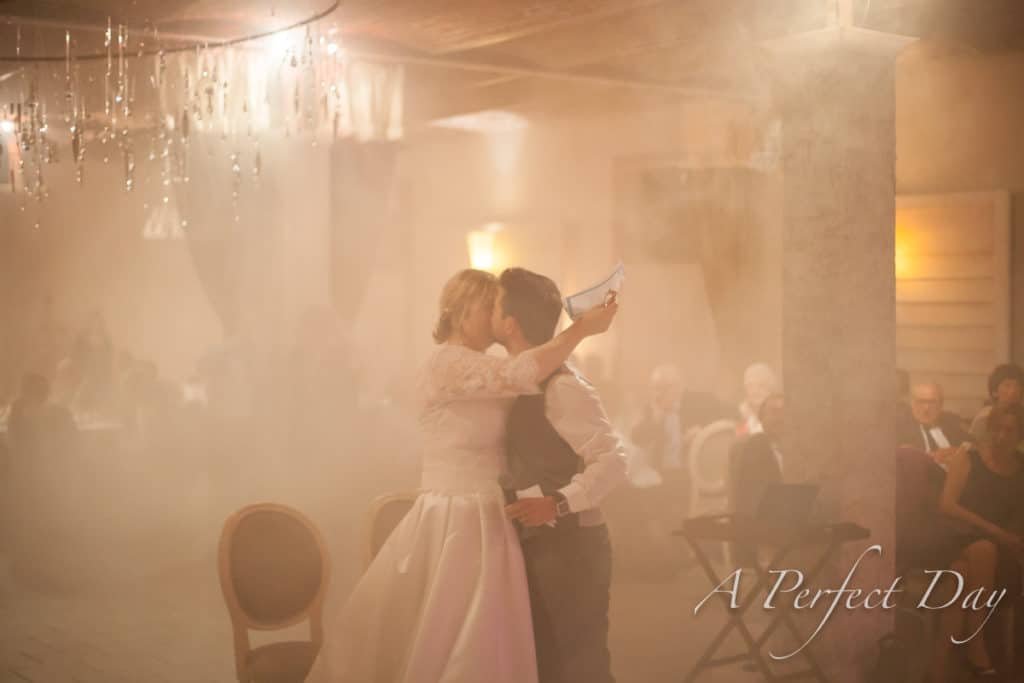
[{"x": 457, "y": 373}]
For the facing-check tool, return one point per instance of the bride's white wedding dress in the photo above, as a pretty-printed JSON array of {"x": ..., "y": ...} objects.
[{"x": 445, "y": 600}]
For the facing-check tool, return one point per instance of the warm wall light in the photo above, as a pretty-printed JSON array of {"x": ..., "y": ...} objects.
[
  {"x": 902, "y": 263},
  {"x": 903, "y": 253},
  {"x": 483, "y": 247}
]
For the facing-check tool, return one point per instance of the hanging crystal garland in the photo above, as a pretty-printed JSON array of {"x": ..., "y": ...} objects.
[
  {"x": 123, "y": 110},
  {"x": 236, "y": 184},
  {"x": 107, "y": 88},
  {"x": 296, "y": 81},
  {"x": 74, "y": 114},
  {"x": 309, "y": 79},
  {"x": 34, "y": 148},
  {"x": 69, "y": 97}
]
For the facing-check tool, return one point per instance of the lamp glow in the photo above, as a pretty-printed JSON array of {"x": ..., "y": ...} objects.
[
  {"x": 903, "y": 253},
  {"x": 486, "y": 247},
  {"x": 482, "y": 247}
]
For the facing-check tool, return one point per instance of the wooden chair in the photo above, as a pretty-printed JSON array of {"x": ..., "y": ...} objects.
[
  {"x": 385, "y": 513},
  {"x": 709, "y": 472},
  {"x": 709, "y": 468},
  {"x": 274, "y": 572}
]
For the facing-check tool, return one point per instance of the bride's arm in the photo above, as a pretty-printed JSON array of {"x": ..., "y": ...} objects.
[
  {"x": 459, "y": 373},
  {"x": 550, "y": 355}
]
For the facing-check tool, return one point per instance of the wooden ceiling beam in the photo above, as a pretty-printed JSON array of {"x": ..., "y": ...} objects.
[
  {"x": 597, "y": 60},
  {"x": 526, "y": 32},
  {"x": 553, "y": 75}
]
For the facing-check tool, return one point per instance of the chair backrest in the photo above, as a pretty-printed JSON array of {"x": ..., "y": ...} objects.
[
  {"x": 918, "y": 523},
  {"x": 385, "y": 513},
  {"x": 274, "y": 568},
  {"x": 709, "y": 458}
]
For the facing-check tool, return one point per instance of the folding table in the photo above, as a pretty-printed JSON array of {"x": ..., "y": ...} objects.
[{"x": 727, "y": 528}]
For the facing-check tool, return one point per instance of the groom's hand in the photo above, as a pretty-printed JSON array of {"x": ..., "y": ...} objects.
[{"x": 533, "y": 511}]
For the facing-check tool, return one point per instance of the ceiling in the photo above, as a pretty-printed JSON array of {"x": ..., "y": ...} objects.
[{"x": 533, "y": 46}]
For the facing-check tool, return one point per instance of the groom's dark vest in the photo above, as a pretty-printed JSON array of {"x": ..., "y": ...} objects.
[{"x": 536, "y": 453}]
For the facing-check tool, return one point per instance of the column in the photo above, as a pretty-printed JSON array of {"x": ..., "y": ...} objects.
[{"x": 838, "y": 314}]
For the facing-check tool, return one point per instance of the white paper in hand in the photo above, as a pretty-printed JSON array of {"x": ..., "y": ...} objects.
[{"x": 592, "y": 297}]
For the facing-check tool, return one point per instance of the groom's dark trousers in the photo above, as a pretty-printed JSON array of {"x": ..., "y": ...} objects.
[
  {"x": 568, "y": 567},
  {"x": 569, "y": 575}
]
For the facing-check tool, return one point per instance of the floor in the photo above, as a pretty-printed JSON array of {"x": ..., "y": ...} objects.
[{"x": 180, "y": 632}]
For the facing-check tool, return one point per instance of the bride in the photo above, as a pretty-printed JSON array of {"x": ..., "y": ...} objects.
[{"x": 445, "y": 600}]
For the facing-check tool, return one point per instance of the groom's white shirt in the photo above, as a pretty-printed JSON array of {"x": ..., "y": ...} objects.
[{"x": 574, "y": 409}]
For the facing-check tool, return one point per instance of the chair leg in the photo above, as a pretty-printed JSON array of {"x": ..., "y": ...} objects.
[{"x": 1009, "y": 640}]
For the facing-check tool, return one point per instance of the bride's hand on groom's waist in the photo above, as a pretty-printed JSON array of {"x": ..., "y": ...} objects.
[{"x": 533, "y": 511}]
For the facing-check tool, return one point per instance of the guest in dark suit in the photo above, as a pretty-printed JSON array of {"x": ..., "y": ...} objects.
[
  {"x": 672, "y": 418},
  {"x": 659, "y": 431},
  {"x": 754, "y": 464},
  {"x": 759, "y": 382},
  {"x": 931, "y": 429}
]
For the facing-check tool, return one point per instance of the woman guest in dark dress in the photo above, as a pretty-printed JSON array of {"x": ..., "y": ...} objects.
[{"x": 984, "y": 495}]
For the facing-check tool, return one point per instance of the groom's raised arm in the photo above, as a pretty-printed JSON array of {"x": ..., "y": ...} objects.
[{"x": 574, "y": 409}]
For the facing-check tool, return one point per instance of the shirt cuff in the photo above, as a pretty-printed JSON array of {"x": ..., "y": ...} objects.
[{"x": 576, "y": 496}]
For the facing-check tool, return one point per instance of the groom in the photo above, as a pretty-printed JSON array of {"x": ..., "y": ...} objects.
[{"x": 562, "y": 442}]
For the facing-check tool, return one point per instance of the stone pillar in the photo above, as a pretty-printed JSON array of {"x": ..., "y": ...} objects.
[{"x": 838, "y": 313}]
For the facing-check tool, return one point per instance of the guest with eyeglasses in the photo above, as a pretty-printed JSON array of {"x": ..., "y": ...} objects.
[{"x": 930, "y": 428}]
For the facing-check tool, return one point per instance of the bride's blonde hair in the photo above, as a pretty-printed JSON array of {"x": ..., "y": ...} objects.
[{"x": 460, "y": 293}]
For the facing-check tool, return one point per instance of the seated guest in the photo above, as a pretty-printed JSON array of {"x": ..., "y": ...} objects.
[
  {"x": 755, "y": 463},
  {"x": 759, "y": 381},
  {"x": 663, "y": 434},
  {"x": 92, "y": 358},
  {"x": 658, "y": 431},
  {"x": 982, "y": 493},
  {"x": 35, "y": 424},
  {"x": 930, "y": 428},
  {"x": 698, "y": 409},
  {"x": 672, "y": 417},
  {"x": 920, "y": 527},
  {"x": 149, "y": 403},
  {"x": 1004, "y": 389}
]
